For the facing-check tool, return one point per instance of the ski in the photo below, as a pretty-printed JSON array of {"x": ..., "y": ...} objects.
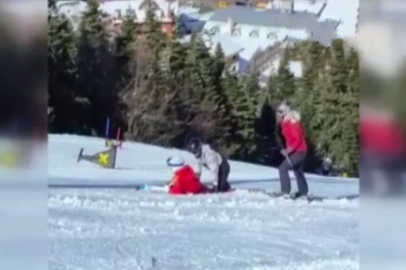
[
  {"x": 151, "y": 188},
  {"x": 246, "y": 191},
  {"x": 276, "y": 195}
]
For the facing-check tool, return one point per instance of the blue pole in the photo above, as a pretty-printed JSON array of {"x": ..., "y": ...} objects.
[{"x": 107, "y": 127}]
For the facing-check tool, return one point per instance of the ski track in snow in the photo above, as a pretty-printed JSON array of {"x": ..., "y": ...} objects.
[{"x": 119, "y": 229}]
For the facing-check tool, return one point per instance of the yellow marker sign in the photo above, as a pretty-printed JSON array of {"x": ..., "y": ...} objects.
[
  {"x": 223, "y": 4},
  {"x": 9, "y": 159},
  {"x": 103, "y": 159},
  {"x": 261, "y": 5}
]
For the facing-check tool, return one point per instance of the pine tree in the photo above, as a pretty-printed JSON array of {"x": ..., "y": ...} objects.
[
  {"x": 224, "y": 109},
  {"x": 201, "y": 82},
  {"x": 157, "y": 105},
  {"x": 285, "y": 81},
  {"x": 307, "y": 98},
  {"x": 178, "y": 108},
  {"x": 218, "y": 64},
  {"x": 305, "y": 93},
  {"x": 96, "y": 65},
  {"x": 338, "y": 109},
  {"x": 338, "y": 68},
  {"x": 125, "y": 50},
  {"x": 272, "y": 99},
  {"x": 177, "y": 53},
  {"x": 155, "y": 39},
  {"x": 246, "y": 106},
  {"x": 322, "y": 114},
  {"x": 350, "y": 101},
  {"x": 232, "y": 89},
  {"x": 266, "y": 132},
  {"x": 199, "y": 64},
  {"x": 333, "y": 109},
  {"x": 125, "y": 65},
  {"x": 252, "y": 90},
  {"x": 52, "y": 9},
  {"x": 62, "y": 72},
  {"x": 179, "y": 113},
  {"x": 396, "y": 97},
  {"x": 271, "y": 90}
]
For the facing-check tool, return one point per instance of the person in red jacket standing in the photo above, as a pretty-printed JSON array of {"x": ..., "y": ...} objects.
[
  {"x": 295, "y": 151},
  {"x": 184, "y": 180},
  {"x": 383, "y": 150}
]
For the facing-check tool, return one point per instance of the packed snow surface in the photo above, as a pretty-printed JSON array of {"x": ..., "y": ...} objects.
[{"x": 95, "y": 228}]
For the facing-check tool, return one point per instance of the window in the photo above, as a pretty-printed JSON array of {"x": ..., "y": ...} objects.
[
  {"x": 148, "y": 3},
  {"x": 272, "y": 36},
  {"x": 236, "y": 33},
  {"x": 214, "y": 30},
  {"x": 254, "y": 34}
]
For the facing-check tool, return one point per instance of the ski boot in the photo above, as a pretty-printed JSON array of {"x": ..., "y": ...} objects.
[
  {"x": 279, "y": 194},
  {"x": 297, "y": 195}
]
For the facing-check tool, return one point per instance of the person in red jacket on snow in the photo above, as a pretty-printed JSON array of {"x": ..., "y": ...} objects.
[
  {"x": 295, "y": 151},
  {"x": 383, "y": 149},
  {"x": 184, "y": 180}
]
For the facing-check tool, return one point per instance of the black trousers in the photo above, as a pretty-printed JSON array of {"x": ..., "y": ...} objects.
[
  {"x": 222, "y": 182},
  {"x": 295, "y": 163}
]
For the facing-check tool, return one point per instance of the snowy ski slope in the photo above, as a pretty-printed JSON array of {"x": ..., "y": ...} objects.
[{"x": 108, "y": 228}]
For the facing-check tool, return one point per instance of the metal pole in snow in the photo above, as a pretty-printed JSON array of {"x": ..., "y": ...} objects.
[{"x": 107, "y": 129}]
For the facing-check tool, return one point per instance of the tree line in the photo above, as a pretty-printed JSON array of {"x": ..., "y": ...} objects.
[{"x": 161, "y": 91}]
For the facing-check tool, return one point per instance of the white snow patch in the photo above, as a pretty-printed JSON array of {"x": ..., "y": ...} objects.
[{"x": 104, "y": 229}]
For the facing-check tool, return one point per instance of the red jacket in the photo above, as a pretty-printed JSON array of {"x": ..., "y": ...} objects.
[
  {"x": 185, "y": 182},
  {"x": 292, "y": 131},
  {"x": 381, "y": 136}
]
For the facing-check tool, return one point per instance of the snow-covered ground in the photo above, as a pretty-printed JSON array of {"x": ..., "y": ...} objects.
[{"x": 118, "y": 228}]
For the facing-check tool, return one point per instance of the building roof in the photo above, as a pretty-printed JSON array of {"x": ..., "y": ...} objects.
[
  {"x": 229, "y": 46},
  {"x": 322, "y": 31},
  {"x": 345, "y": 11},
  {"x": 305, "y": 5},
  {"x": 246, "y": 46}
]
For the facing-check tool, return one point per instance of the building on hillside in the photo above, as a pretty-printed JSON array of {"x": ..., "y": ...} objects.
[
  {"x": 260, "y": 36},
  {"x": 244, "y": 58},
  {"x": 216, "y": 4},
  {"x": 344, "y": 11},
  {"x": 272, "y": 23},
  {"x": 310, "y": 6},
  {"x": 266, "y": 59},
  {"x": 165, "y": 11},
  {"x": 193, "y": 19},
  {"x": 230, "y": 48},
  {"x": 294, "y": 66},
  {"x": 72, "y": 9}
]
